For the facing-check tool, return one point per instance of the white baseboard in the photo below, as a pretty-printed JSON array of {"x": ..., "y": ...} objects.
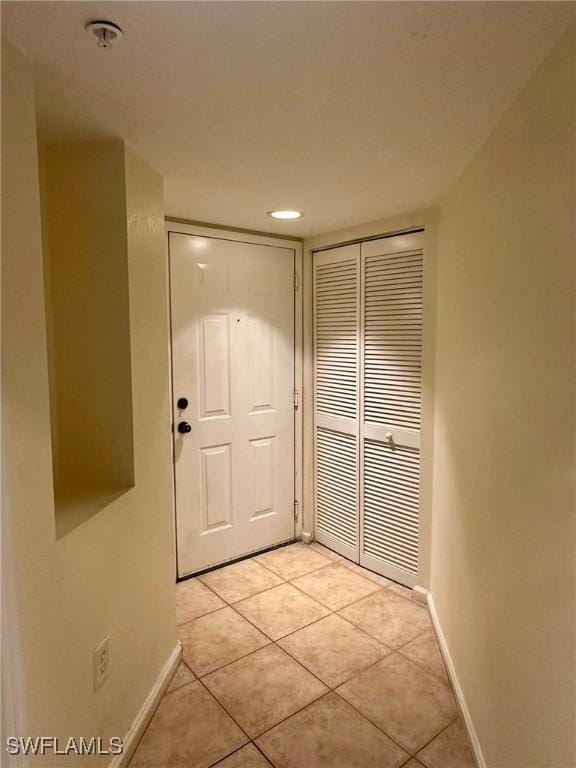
[
  {"x": 148, "y": 708},
  {"x": 457, "y": 688},
  {"x": 420, "y": 595}
]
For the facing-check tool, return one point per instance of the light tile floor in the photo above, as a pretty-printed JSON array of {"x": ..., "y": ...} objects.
[{"x": 298, "y": 658}]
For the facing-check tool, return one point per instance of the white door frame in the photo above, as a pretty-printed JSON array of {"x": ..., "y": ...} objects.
[{"x": 177, "y": 226}]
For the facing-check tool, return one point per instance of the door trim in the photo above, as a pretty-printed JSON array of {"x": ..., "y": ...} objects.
[{"x": 242, "y": 236}]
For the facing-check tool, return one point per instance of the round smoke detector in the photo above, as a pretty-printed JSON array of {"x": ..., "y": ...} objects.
[{"x": 106, "y": 33}]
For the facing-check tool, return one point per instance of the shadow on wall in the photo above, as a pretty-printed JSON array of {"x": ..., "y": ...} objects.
[{"x": 84, "y": 216}]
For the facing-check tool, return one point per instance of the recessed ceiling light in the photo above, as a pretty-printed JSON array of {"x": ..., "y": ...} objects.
[{"x": 287, "y": 215}]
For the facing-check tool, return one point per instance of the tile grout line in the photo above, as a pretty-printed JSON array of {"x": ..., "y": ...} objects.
[
  {"x": 329, "y": 562},
  {"x": 292, "y": 714},
  {"x": 335, "y": 610},
  {"x": 404, "y": 765},
  {"x": 300, "y": 663},
  {"x": 385, "y": 658},
  {"x": 390, "y": 652},
  {"x": 215, "y": 610},
  {"x": 275, "y": 586},
  {"x": 444, "y": 680},
  {"x": 268, "y": 759},
  {"x": 248, "y": 560},
  {"x": 289, "y": 583},
  {"x": 333, "y": 688},
  {"x": 351, "y": 565},
  {"x": 303, "y": 666},
  {"x": 319, "y": 602},
  {"x": 252, "y": 740},
  {"x": 240, "y": 658},
  {"x": 246, "y": 618},
  {"x": 397, "y": 649},
  {"x": 267, "y": 637},
  {"x": 343, "y": 561},
  {"x": 363, "y": 631},
  {"x": 244, "y": 655},
  {"x": 234, "y": 751},
  {"x": 330, "y": 688},
  {"x": 326, "y": 693},
  {"x": 255, "y": 650},
  {"x": 168, "y": 692},
  {"x": 272, "y": 641},
  {"x": 306, "y": 668},
  {"x": 411, "y": 755},
  {"x": 440, "y": 732},
  {"x": 149, "y": 724},
  {"x": 296, "y": 711},
  {"x": 256, "y": 747},
  {"x": 332, "y": 612},
  {"x": 267, "y": 730},
  {"x": 275, "y": 641},
  {"x": 209, "y": 692},
  {"x": 398, "y": 744}
]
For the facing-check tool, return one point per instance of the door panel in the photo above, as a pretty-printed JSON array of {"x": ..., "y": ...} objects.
[
  {"x": 392, "y": 271},
  {"x": 391, "y": 507},
  {"x": 216, "y": 487},
  {"x": 214, "y": 366},
  {"x": 336, "y": 325},
  {"x": 337, "y": 490},
  {"x": 233, "y": 358}
]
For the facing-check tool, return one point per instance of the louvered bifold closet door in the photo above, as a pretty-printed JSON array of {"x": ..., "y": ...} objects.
[
  {"x": 392, "y": 396},
  {"x": 336, "y": 394}
]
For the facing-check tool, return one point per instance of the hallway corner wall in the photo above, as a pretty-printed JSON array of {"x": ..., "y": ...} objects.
[
  {"x": 503, "y": 537},
  {"x": 113, "y": 574}
]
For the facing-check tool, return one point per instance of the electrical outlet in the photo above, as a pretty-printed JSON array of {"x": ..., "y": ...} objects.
[{"x": 101, "y": 662}]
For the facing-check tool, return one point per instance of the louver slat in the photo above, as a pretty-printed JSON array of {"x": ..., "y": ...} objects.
[
  {"x": 337, "y": 357},
  {"x": 393, "y": 339},
  {"x": 337, "y": 486},
  {"x": 392, "y": 387},
  {"x": 391, "y": 504},
  {"x": 336, "y": 334}
]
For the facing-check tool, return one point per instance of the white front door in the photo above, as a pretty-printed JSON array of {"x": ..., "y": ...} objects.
[{"x": 232, "y": 309}]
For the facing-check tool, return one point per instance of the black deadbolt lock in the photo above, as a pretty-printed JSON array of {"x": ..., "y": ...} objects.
[
  {"x": 182, "y": 403},
  {"x": 184, "y": 428}
]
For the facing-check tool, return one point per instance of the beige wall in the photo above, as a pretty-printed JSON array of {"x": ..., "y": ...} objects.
[
  {"x": 84, "y": 204},
  {"x": 503, "y": 558},
  {"x": 113, "y": 574},
  {"x": 499, "y": 454},
  {"x": 502, "y": 565},
  {"x": 426, "y": 219}
]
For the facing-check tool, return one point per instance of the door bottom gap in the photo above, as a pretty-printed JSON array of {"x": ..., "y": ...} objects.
[{"x": 234, "y": 560}]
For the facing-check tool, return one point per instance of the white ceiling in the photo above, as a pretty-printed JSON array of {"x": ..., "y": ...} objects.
[{"x": 350, "y": 111}]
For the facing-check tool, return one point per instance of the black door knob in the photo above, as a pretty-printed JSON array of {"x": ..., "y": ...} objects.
[
  {"x": 182, "y": 403},
  {"x": 184, "y": 428}
]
